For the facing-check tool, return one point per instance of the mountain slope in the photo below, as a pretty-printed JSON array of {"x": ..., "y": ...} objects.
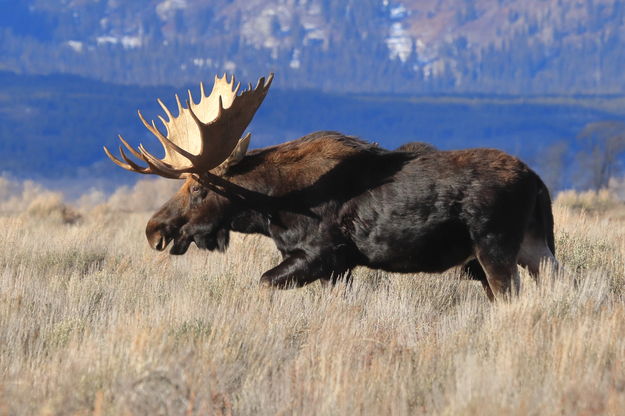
[{"x": 502, "y": 46}]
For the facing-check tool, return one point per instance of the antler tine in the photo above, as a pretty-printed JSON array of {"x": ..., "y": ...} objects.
[
  {"x": 190, "y": 99},
  {"x": 195, "y": 118},
  {"x": 135, "y": 154},
  {"x": 158, "y": 167},
  {"x": 162, "y": 119},
  {"x": 261, "y": 81},
  {"x": 145, "y": 123},
  {"x": 262, "y": 84},
  {"x": 152, "y": 128},
  {"x": 179, "y": 105},
  {"x": 160, "y": 136},
  {"x": 129, "y": 165},
  {"x": 245, "y": 142},
  {"x": 202, "y": 93},
  {"x": 117, "y": 161},
  {"x": 133, "y": 151},
  {"x": 269, "y": 81},
  {"x": 220, "y": 107},
  {"x": 136, "y": 168},
  {"x": 156, "y": 132},
  {"x": 165, "y": 109}
]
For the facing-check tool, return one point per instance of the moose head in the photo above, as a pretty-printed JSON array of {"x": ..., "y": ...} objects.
[{"x": 200, "y": 144}]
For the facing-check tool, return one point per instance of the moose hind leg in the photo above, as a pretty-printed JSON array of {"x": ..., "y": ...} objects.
[
  {"x": 474, "y": 271},
  {"x": 501, "y": 270},
  {"x": 534, "y": 250}
]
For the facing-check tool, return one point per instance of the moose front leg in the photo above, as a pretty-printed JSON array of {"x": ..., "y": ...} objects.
[
  {"x": 335, "y": 279},
  {"x": 298, "y": 269}
]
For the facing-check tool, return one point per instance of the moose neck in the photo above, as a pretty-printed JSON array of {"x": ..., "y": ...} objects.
[
  {"x": 294, "y": 166},
  {"x": 291, "y": 178},
  {"x": 267, "y": 182}
]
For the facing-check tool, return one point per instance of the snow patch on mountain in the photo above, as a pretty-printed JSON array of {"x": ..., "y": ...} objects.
[
  {"x": 127, "y": 42},
  {"x": 76, "y": 45},
  {"x": 399, "y": 41},
  {"x": 166, "y": 9}
]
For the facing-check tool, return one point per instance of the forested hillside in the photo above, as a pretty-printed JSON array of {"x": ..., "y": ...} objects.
[{"x": 409, "y": 46}]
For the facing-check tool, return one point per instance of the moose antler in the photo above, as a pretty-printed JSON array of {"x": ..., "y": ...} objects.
[{"x": 203, "y": 135}]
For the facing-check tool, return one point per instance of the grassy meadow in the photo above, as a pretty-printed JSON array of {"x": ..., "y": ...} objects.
[{"x": 92, "y": 321}]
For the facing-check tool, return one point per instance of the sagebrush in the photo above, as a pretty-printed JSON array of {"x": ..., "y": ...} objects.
[{"x": 92, "y": 321}]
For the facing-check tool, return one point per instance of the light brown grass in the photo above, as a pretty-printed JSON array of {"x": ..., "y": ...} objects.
[{"x": 92, "y": 321}]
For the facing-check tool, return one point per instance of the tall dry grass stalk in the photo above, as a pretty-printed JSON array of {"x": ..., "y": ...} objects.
[{"x": 94, "y": 322}]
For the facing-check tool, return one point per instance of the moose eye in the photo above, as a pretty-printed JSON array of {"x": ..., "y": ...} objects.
[{"x": 196, "y": 194}]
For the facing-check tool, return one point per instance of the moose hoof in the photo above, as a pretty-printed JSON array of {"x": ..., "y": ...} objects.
[{"x": 265, "y": 283}]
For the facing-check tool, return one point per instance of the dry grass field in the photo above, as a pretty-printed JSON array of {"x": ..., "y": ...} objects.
[{"x": 92, "y": 321}]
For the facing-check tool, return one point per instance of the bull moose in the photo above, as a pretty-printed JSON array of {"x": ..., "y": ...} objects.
[{"x": 332, "y": 202}]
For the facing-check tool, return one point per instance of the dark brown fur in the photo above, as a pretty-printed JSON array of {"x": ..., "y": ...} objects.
[{"x": 332, "y": 202}]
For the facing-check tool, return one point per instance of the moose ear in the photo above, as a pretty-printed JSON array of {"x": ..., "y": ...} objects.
[{"x": 239, "y": 151}]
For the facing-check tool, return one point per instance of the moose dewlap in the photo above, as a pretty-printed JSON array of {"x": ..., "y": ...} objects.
[{"x": 331, "y": 202}]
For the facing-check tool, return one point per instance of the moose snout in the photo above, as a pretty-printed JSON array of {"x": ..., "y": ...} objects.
[
  {"x": 156, "y": 239},
  {"x": 159, "y": 244}
]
